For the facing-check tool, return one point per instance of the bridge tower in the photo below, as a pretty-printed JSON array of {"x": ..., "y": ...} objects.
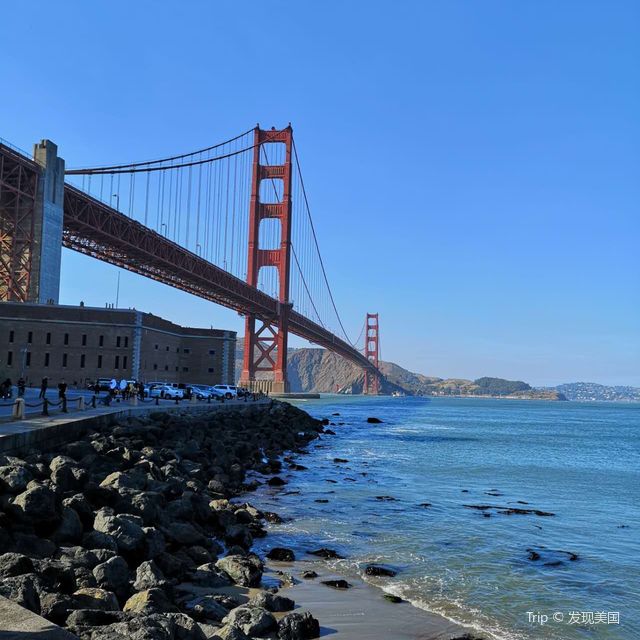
[
  {"x": 265, "y": 339},
  {"x": 31, "y": 217},
  {"x": 371, "y": 352}
]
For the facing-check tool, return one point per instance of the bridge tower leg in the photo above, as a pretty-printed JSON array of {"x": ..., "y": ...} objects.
[
  {"x": 371, "y": 352},
  {"x": 265, "y": 339},
  {"x": 31, "y": 215}
]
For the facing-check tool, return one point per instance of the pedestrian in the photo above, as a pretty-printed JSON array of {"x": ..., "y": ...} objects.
[
  {"x": 21, "y": 387},
  {"x": 123, "y": 388},
  {"x": 141, "y": 390},
  {"x": 43, "y": 387},
  {"x": 96, "y": 387},
  {"x": 62, "y": 390}
]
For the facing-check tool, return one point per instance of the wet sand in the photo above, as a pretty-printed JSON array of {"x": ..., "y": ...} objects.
[{"x": 361, "y": 612}]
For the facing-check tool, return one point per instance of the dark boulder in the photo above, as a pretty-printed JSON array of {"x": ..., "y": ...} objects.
[
  {"x": 326, "y": 553},
  {"x": 254, "y": 621},
  {"x": 37, "y": 504},
  {"x": 337, "y": 584},
  {"x": 391, "y": 598},
  {"x": 14, "y": 564},
  {"x": 23, "y": 590},
  {"x": 298, "y": 626},
  {"x": 243, "y": 570},
  {"x": 378, "y": 570},
  {"x": 272, "y": 602},
  {"x": 281, "y": 554}
]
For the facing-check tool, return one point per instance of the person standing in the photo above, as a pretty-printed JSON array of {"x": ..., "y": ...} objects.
[
  {"x": 43, "y": 387},
  {"x": 62, "y": 390},
  {"x": 21, "y": 387}
]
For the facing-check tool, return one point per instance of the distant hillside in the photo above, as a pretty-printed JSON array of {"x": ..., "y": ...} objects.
[
  {"x": 320, "y": 371},
  {"x": 592, "y": 392}
]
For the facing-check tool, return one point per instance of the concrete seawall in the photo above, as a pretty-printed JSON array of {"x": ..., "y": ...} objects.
[
  {"x": 49, "y": 432},
  {"x": 18, "y": 623}
]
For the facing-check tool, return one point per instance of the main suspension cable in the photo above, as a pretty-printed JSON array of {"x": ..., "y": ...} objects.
[{"x": 315, "y": 238}]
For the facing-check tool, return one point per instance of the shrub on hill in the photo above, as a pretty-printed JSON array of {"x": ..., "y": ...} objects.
[{"x": 500, "y": 387}]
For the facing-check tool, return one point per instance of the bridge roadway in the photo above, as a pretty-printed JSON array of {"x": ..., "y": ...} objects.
[{"x": 96, "y": 229}]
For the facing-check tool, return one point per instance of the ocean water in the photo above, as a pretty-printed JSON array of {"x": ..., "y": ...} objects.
[{"x": 403, "y": 499}]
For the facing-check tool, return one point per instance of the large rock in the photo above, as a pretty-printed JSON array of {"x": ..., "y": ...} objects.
[
  {"x": 210, "y": 575},
  {"x": 95, "y": 598},
  {"x": 56, "y": 606},
  {"x": 298, "y": 626},
  {"x": 99, "y": 540},
  {"x": 149, "y": 601},
  {"x": 272, "y": 602},
  {"x": 254, "y": 621},
  {"x": 56, "y": 575},
  {"x": 37, "y": 504},
  {"x": 14, "y": 564},
  {"x": 79, "y": 619},
  {"x": 70, "y": 528},
  {"x": 113, "y": 575},
  {"x": 148, "y": 627},
  {"x": 244, "y": 570},
  {"x": 281, "y": 554},
  {"x": 239, "y": 534},
  {"x": 125, "y": 529},
  {"x": 148, "y": 576},
  {"x": 14, "y": 478},
  {"x": 120, "y": 480},
  {"x": 66, "y": 474},
  {"x": 154, "y": 543},
  {"x": 148, "y": 505},
  {"x": 23, "y": 590},
  {"x": 231, "y": 632},
  {"x": 183, "y": 533},
  {"x": 205, "y": 608}
]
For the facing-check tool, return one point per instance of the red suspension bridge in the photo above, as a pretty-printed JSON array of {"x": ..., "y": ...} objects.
[{"x": 230, "y": 223}]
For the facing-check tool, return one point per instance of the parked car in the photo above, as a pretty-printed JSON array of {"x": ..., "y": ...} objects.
[
  {"x": 201, "y": 391},
  {"x": 230, "y": 391},
  {"x": 216, "y": 393},
  {"x": 166, "y": 391},
  {"x": 101, "y": 384}
]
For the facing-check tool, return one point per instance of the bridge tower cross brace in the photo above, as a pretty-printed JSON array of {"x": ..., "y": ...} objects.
[
  {"x": 265, "y": 339},
  {"x": 372, "y": 352}
]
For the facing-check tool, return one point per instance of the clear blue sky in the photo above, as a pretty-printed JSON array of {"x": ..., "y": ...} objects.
[{"x": 473, "y": 167}]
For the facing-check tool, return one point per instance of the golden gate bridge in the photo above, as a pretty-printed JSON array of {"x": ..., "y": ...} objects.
[{"x": 230, "y": 223}]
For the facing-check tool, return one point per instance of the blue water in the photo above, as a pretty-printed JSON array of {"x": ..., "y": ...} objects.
[{"x": 579, "y": 461}]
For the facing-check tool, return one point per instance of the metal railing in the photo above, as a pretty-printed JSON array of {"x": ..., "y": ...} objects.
[{"x": 19, "y": 405}]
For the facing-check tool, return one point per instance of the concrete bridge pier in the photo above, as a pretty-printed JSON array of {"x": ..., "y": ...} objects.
[{"x": 48, "y": 222}]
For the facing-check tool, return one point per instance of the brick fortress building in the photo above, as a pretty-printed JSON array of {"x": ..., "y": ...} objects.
[{"x": 81, "y": 344}]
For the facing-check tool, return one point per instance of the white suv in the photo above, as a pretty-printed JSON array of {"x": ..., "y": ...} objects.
[{"x": 230, "y": 391}]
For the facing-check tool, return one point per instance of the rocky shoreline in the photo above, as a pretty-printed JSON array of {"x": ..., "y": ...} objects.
[
  {"x": 139, "y": 531},
  {"x": 129, "y": 532}
]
